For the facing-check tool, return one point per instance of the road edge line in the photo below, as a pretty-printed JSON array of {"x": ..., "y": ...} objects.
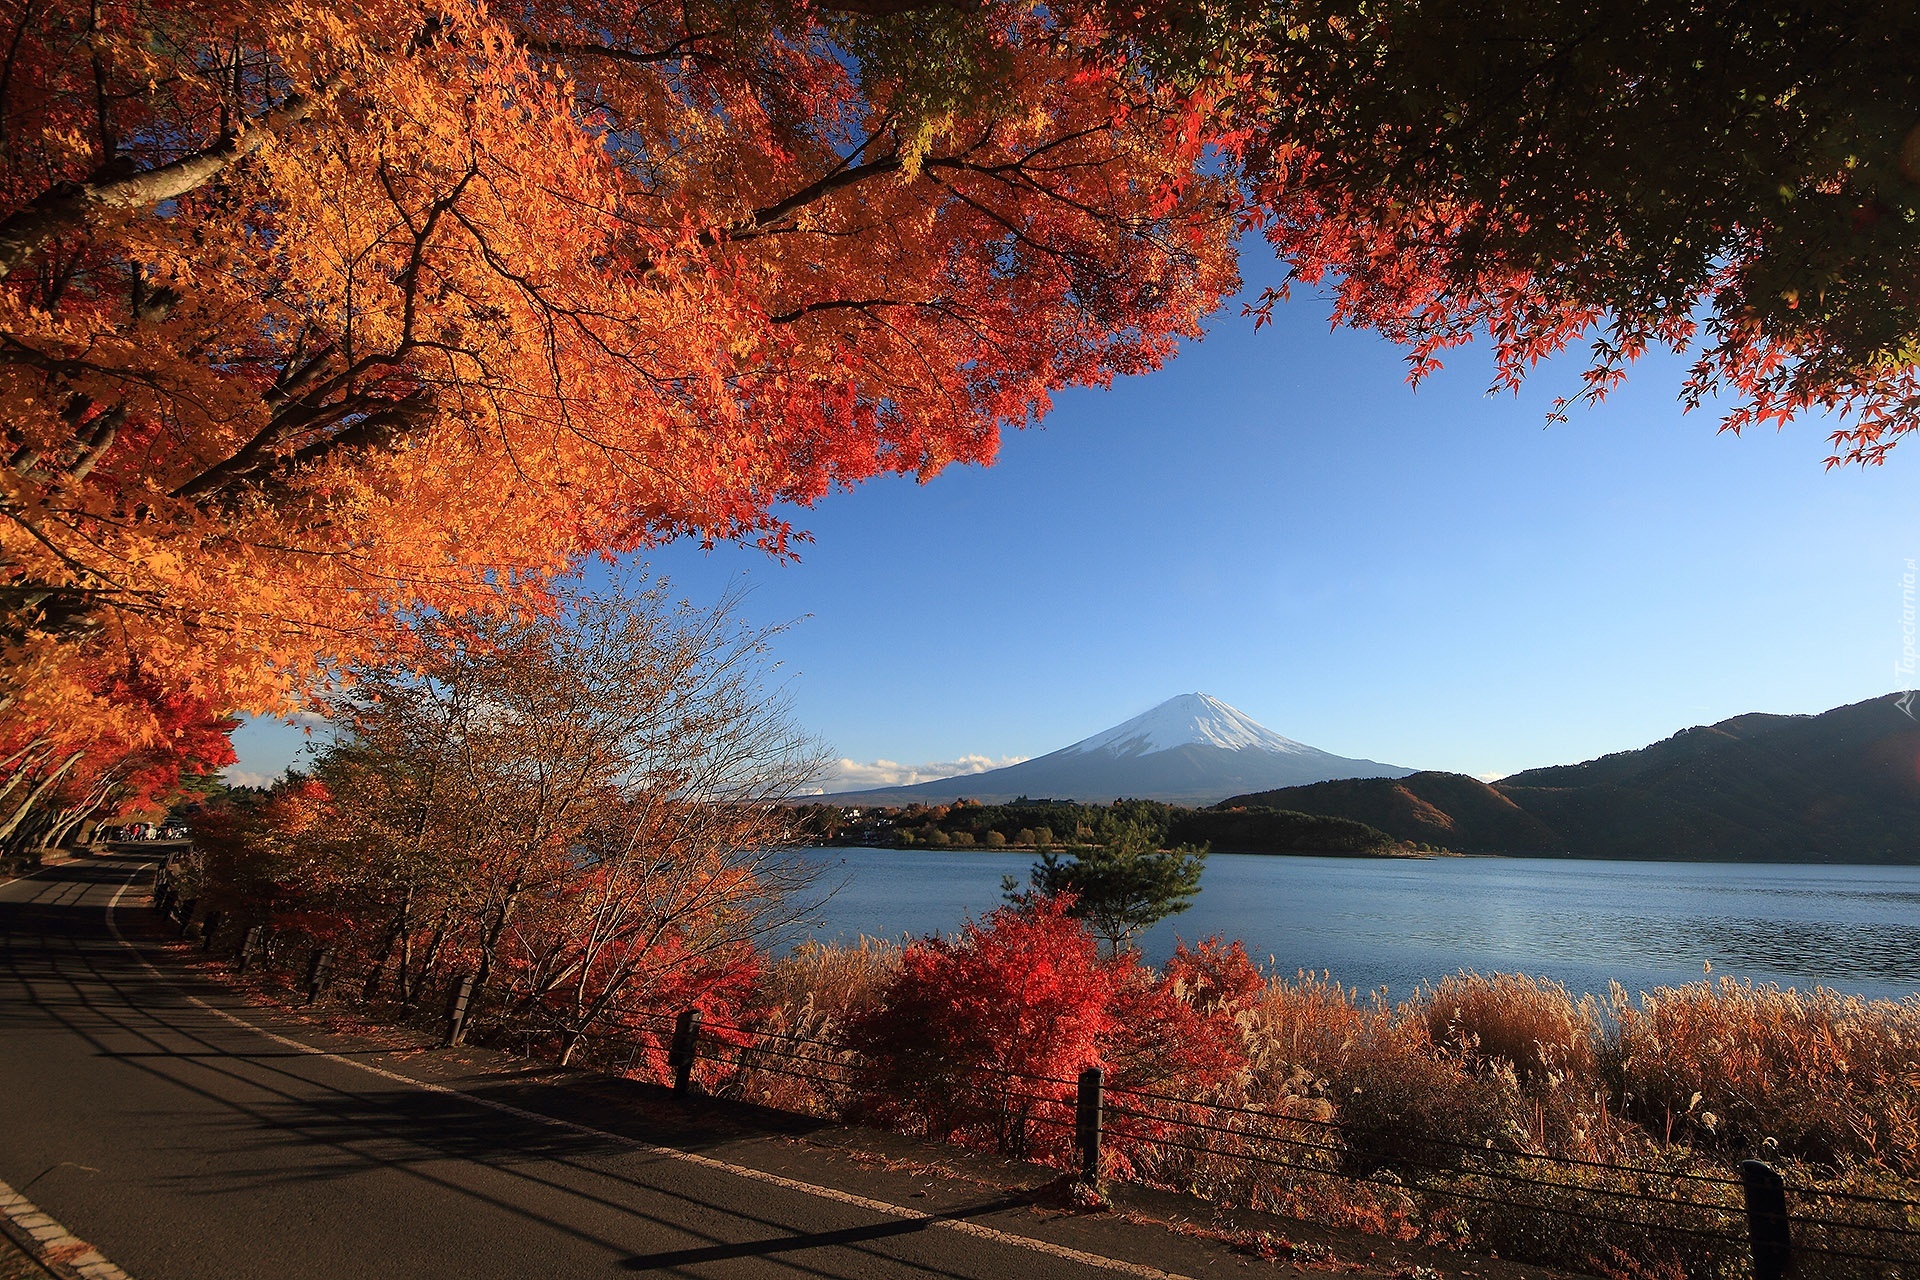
[
  {"x": 50, "y": 1244},
  {"x": 849, "y": 1198}
]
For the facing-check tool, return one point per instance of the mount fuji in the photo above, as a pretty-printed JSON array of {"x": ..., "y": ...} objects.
[{"x": 1192, "y": 749}]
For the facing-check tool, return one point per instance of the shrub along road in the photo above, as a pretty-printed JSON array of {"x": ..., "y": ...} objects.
[{"x": 190, "y": 1135}]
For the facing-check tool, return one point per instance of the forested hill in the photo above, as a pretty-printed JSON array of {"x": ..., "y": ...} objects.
[
  {"x": 1842, "y": 786},
  {"x": 1448, "y": 810},
  {"x": 1042, "y": 824}
]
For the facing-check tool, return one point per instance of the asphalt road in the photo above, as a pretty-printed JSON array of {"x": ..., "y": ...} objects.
[{"x": 191, "y": 1136}]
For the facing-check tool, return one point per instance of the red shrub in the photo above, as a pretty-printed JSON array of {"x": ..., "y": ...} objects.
[{"x": 980, "y": 1037}]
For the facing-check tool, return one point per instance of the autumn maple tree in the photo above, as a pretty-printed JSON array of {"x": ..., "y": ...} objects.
[
  {"x": 981, "y": 1036},
  {"x": 53, "y": 783},
  {"x": 318, "y": 319}
]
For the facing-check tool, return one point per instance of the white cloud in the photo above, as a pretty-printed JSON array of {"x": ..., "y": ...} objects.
[
  {"x": 238, "y": 777},
  {"x": 855, "y": 775}
]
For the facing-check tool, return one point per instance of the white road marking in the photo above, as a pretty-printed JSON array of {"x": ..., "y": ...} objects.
[
  {"x": 965, "y": 1228},
  {"x": 53, "y": 1244}
]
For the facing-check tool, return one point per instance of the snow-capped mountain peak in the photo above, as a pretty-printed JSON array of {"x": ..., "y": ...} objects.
[
  {"x": 1192, "y": 749},
  {"x": 1192, "y": 719}
]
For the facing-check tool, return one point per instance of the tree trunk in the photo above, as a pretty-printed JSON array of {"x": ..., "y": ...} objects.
[
  {"x": 12, "y": 824},
  {"x": 371, "y": 987},
  {"x": 490, "y": 942},
  {"x": 427, "y": 960}
]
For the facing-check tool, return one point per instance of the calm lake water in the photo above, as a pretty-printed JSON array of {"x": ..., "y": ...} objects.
[{"x": 1397, "y": 923}]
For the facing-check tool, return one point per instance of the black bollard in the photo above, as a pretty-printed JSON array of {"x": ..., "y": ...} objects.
[
  {"x": 680, "y": 1054},
  {"x": 1767, "y": 1223},
  {"x": 1086, "y": 1122}
]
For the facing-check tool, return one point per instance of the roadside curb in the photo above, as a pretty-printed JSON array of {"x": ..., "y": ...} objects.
[{"x": 50, "y": 1244}]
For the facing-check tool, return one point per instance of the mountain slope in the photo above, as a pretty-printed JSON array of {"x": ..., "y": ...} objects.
[
  {"x": 1842, "y": 786},
  {"x": 1449, "y": 810},
  {"x": 1192, "y": 749}
]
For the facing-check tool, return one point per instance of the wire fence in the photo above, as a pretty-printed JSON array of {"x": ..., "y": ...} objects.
[
  {"x": 1664, "y": 1215},
  {"x": 1534, "y": 1205}
]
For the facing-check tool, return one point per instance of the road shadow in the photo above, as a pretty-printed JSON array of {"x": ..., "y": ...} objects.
[{"x": 775, "y": 1245}]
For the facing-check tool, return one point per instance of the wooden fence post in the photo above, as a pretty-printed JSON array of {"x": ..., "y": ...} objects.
[
  {"x": 1087, "y": 1121},
  {"x": 249, "y": 945},
  {"x": 457, "y": 1010},
  {"x": 317, "y": 966},
  {"x": 1767, "y": 1222}
]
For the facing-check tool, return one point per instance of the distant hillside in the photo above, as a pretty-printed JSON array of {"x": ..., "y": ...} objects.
[
  {"x": 1449, "y": 810},
  {"x": 1842, "y": 786}
]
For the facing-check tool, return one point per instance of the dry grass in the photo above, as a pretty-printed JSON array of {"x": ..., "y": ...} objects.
[
  {"x": 1532, "y": 1024},
  {"x": 814, "y": 990},
  {"x": 1818, "y": 1077},
  {"x": 806, "y": 1001},
  {"x": 1461, "y": 1115}
]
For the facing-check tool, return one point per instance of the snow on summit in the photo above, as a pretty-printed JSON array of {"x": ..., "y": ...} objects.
[
  {"x": 1192, "y": 749},
  {"x": 1190, "y": 719}
]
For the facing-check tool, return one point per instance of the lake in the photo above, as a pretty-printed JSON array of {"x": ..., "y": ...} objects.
[{"x": 1395, "y": 923}]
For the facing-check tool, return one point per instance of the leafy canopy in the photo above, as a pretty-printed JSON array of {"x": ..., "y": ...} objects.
[
  {"x": 318, "y": 319},
  {"x": 1737, "y": 182}
]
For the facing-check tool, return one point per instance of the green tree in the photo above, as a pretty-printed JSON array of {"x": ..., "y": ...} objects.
[{"x": 1121, "y": 887}]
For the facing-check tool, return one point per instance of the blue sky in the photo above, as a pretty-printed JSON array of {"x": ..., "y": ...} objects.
[{"x": 1432, "y": 578}]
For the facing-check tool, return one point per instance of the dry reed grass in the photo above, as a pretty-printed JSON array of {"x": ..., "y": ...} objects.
[
  {"x": 1500, "y": 1112},
  {"x": 1815, "y": 1076},
  {"x": 806, "y": 999}
]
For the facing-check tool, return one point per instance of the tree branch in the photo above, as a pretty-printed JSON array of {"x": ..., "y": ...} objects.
[
  {"x": 681, "y": 48},
  {"x": 67, "y": 208}
]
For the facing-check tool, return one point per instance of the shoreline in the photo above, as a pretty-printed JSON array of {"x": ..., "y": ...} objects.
[{"x": 1415, "y": 856}]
